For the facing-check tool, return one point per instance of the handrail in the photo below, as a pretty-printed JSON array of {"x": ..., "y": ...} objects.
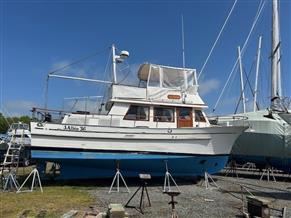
[
  {"x": 109, "y": 118},
  {"x": 36, "y": 109},
  {"x": 230, "y": 117},
  {"x": 158, "y": 122}
]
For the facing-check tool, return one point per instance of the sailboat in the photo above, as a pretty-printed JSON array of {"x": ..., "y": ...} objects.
[
  {"x": 267, "y": 142},
  {"x": 149, "y": 127}
]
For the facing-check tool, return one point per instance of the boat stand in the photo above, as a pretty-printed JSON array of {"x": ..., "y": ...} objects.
[
  {"x": 168, "y": 179},
  {"x": 231, "y": 169},
  {"x": 173, "y": 203},
  {"x": 269, "y": 172},
  {"x": 249, "y": 166},
  {"x": 10, "y": 182},
  {"x": 208, "y": 185},
  {"x": 143, "y": 188},
  {"x": 116, "y": 180},
  {"x": 35, "y": 181}
]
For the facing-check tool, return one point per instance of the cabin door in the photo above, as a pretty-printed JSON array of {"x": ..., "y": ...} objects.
[{"x": 184, "y": 117}]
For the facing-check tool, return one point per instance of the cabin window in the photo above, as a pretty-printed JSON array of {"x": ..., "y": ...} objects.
[
  {"x": 199, "y": 117},
  {"x": 185, "y": 113},
  {"x": 136, "y": 112},
  {"x": 163, "y": 114}
]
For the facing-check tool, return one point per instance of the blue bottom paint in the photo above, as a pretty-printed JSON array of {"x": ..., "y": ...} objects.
[
  {"x": 283, "y": 164},
  {"x": 88, "y": 165}
]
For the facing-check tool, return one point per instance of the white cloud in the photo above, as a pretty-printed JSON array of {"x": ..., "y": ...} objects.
[
  {"x": 18, "y": 107},
  {"x": 208, "y": 86}
]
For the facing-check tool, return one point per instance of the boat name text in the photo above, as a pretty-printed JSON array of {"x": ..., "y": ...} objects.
[{"x": 74, "y": 128}]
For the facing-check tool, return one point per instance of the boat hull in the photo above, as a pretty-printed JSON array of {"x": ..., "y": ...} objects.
[
  {"x": 92, "y": 153},
  {"x": 263, "y": 149},
  {"x": 266, "y": 143},
  {"x": 89, "y": 165},
  {"x": 263, "y": 161}
]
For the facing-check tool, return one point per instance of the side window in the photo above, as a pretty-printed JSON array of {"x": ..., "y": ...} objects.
[
  {"x": 136, "y": 112},
  {"x": 162, "y": 114},
  {"x": 199, "y": 116},
  {"x": 185, "y": 113}
]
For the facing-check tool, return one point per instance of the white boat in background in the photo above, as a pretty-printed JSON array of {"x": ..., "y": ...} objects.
[
  {"x": 160, "y": 120},
  {"x": 19, "y": 133},
  {"x": 267, "y": 142}
]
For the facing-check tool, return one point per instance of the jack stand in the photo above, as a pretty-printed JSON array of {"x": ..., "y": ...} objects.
[
  {"x": 116, "y": 178},
  {"x": 269, "y": 172},
  {"x": 143, "y": 187},
  {"x": 232, "y": 169},
  {"x": 10, "y": 182},
  {"x": 173, "y": 203},
  {"x": 207, "y": 177},
  {"x": 34, "y": 173},
  {"x": 249, "y": 166},
  {"x": 168, "y": 179}
]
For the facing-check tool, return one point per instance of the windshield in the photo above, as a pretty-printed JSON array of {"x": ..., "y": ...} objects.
[{"x": 167, "y": 77}]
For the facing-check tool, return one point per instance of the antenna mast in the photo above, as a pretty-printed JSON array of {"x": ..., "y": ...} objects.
[
  {"x": 183, "y": 42},
  {"x": 114, "y": 64}
]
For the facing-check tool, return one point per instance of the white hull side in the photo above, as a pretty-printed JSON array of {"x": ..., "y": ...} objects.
[{"x": 203, "y": 141}]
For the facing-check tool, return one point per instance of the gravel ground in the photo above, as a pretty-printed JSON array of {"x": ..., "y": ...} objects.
[{"x": 197, "y": 201}]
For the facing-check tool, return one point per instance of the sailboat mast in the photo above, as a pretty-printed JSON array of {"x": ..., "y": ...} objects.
[
  {"x": 241, "y": 79},
  {"x": 276, "y": 71},
  {"x": 257, "y": 73}
]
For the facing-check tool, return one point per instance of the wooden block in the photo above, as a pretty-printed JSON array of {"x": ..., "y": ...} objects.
[{"x": 116, "y": 211}]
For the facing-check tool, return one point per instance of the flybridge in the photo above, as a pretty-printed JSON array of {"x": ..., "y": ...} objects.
[
  {"x": 167, "y": 77},
  {"x": 164, "y": 84}
]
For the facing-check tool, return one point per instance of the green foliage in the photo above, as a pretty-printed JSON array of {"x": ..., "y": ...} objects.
[
  {"x": 5, "y": 122},
  {"x": 24, "y": 119}
]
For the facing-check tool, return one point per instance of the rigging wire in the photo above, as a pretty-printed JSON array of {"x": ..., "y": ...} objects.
[
  {"x": 64, "y": 67},
  {"x": 103, "y": 85},
  {"x": 106, "y": 69},
  {"x": 245, "y": 85},
  {"x": 260, "y": 8},
  {"x": 265, "y": 77},
  {"x": 217, "y": 38},
  {"x": 9, "y": 117},
  {"x": 126, "y": 75},
  {"x": 79, "y": 60},
  {"x": 2, "y": 55}
]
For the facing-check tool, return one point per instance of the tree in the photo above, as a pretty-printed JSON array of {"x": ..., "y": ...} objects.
[{"x": 5, "y": 122}]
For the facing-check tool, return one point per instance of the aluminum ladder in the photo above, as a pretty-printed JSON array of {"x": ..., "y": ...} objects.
[{"x": 9, "y": 166}]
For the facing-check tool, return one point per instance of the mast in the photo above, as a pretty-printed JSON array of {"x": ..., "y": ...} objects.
[
  {"x": 117, "y": 59},
  {"x": 183, "y": 51},
  {"x": 183, "y": 42},
  {"x": 241, "y": 80},
  {"x": 114, "y": 64},
  {"x": 257, "y": 73},
  {"x": 276, "y": 71}
]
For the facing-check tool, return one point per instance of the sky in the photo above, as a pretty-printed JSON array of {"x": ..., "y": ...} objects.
[{"x": 37, "y": 37}]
